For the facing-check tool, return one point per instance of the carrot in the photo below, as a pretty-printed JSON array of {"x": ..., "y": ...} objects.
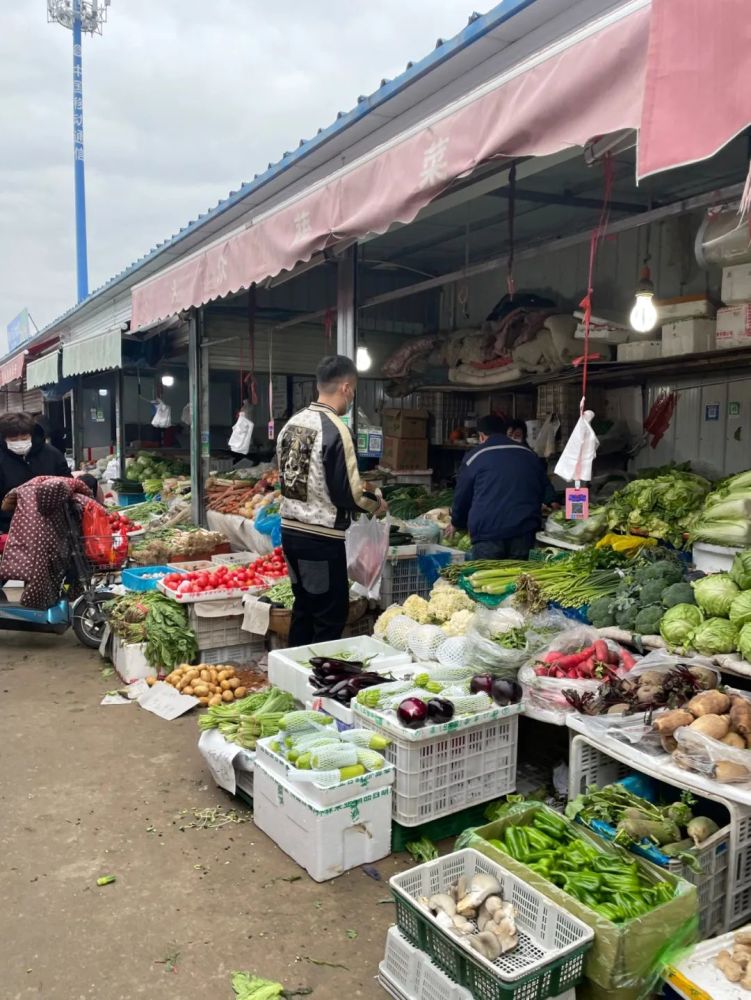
[{"x": 601, "y": 651}]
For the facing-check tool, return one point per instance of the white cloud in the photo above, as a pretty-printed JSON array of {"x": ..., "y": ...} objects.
[{"x": 184, "y": 100}]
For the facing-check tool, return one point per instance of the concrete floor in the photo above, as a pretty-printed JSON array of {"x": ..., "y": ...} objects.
[{"x": 88, "y": 790}]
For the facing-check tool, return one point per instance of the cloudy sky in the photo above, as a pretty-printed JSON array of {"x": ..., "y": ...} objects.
[{"x": 184, "y": 99}]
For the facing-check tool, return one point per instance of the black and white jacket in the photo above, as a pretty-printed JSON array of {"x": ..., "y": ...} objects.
[{"x": 321, "y": 487}]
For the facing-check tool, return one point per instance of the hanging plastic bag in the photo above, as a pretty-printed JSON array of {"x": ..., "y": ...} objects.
[
  {"x": 98, "y": 543},
  {"x": 241, "y": 437},
  {"x": 544, "y": 445},
  {"x": 367, "y": 542},
  {"x": 162, "y": 415},
  {"x": 185, "y": 415},
  {"x": 268, "y": 521},
  {"x": 575, "y": 463}
]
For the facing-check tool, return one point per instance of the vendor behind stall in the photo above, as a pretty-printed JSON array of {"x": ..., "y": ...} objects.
[
  {"x": 516, "y": 430},
  {"x": 499, "y": 493},
  {"x": 24, "y": 454},
  {"x": 321, "y": 489}
]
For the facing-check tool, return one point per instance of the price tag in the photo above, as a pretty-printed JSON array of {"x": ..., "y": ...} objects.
[
  {"x": 271, "y": 430},
  {"x": 577, "y": 504},
  {"x": 163, "y": 700}
]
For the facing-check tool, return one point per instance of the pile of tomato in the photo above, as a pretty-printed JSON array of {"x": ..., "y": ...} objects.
[
  {"x": 118, "y": 521},
  {"x": 257, "y": 574}
]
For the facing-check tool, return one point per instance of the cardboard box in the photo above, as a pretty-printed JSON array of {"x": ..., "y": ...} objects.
[
  {"x": 688, "y": 336},
  {"x": 405, "y": 423},
  {"x": 640, "y": 350},
  {"x": 404, "y": 453},
  {"x": 734, "y": 327},
  {"x": 736, "y": 284}
]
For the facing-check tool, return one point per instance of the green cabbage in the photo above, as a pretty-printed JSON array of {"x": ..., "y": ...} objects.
[
  {"x": 740, "y": 609},
  {"x": 744, "y": 642},
  {"x": 714, "y": 594},
  {"x": 715, "y": 635},
  {"x": 678, "y": 624},
  {"x": 740, "y": 572}
]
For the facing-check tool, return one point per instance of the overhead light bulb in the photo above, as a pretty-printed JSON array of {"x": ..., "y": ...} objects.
[
  {"x": 168, "y": 380},
  {"x": 643, "y": 317},
  {"x": 103, "y": 392},
  {"x": 363, "y": 361}
]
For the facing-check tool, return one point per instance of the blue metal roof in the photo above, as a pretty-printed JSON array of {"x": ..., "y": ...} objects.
[{"x": 478, "y": 26}]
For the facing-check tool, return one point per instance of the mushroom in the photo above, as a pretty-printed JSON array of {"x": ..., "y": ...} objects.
[
  {"x": 479, "y": 887},
  {"x": 488, "y": 945},
  {"x": 505, "y": 930},
  {"x": 463, "y": 926},
  {"x": 442, "y": 901}
]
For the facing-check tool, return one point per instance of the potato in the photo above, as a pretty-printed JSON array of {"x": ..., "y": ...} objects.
[
  {"x": 212, "y": 675},
  {"x": 228, "y": 696},
  {"x": 188, "y": 689},
  {"x": 740, "y": 715},
  {"x": 735, "y": 740},
  {"x": 201, "y": 690},
  {"x": 192, "y": 673},
  {"x": 222, "y": 675},
  {"x": 728, "y": 770},
  {"x": 224, "y": 685},
  {"x": 203, "y": 701},
  {"x": 715, "y": 726},
  {"x": 240, "y": 692},
  {"x": 234, "y": 682},
  {"x": 151, "y": 681},
  {"x": 230, "y": 672},
  {"x": 709, "y": 703},
  {"x": 205, "y": 675},
  {"x": 667, "y": 724},
  {"x": 181, "y": 684},
  {"x": 215, "y": 700}
]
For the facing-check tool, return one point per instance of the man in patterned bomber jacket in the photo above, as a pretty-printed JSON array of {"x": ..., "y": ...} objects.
[{"x": 321, "y": 489}]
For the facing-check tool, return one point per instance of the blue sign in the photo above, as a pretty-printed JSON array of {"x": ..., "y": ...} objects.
[
  {"x": 18, "y": 330},
  {"x": 712, "y": 411}
]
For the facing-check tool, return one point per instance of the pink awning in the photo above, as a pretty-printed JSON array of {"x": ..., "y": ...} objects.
[
  {"x": 696, "y": 93},
  {"x": 579, "y": 88},
  {"x": 12, "y": 370}
]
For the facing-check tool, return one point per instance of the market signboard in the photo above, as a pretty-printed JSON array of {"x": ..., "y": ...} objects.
[{"x": 18, "y": 330}]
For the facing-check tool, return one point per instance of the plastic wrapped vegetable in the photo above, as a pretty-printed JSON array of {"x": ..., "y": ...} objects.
[{"x": 714, "y": 594}]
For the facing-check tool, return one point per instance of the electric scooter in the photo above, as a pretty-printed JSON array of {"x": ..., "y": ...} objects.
[{"x": 84, "y": 613}]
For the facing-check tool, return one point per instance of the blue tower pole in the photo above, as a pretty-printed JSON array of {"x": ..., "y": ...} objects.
[{"x": 82, "y": 266}]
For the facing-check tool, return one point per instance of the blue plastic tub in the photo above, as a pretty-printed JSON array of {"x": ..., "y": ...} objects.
[
  {"x": 135, "y": 577},
  {"x": 130, "y": 499}
]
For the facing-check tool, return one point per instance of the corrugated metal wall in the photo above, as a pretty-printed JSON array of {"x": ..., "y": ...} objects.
[{"x": 106, "y": 317}]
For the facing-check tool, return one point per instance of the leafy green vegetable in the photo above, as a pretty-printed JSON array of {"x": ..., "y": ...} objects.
[
  {"x": 678, "y": 624},
  {"x": 740, "y": 609},
  {"x": 651, "y": 592},
  {"x": 744, "y": 642},
  {"x": 715, "y": 635},
  {"x": 677, "y": 593},
  {"x": 601, "y": 612},
  {"x": 660, "y": 506},
  {"x": 714, "y": 594},
  {"x": 740, "y": 572},
  {"x": 647, "y": 622},
  {"x": 422, "y": 850}
]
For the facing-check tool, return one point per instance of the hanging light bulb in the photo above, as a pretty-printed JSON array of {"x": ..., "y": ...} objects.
[
  {"x": 643, "y": 316},
  {"x": 168, "y": 380},
  {"x": 363, "y": 361}
]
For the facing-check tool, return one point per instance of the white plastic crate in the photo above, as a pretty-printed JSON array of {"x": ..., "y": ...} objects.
[
  {"x": 218, "y": 630},
  {"x": 712, "y": 558},
  {"x": 286, "y": 670},
  {"x": 548, "y": 960},
  {"x": 724, "y": 886},
  {"x": 246, "y": 652},
  {"x": 235, "y": 558},
  {"x": 402, "y": 575},
  {"x": 406, "y": 972},
  {"x": 322, "y": 796},
  {"x": 459, "y": 766},
  {"x": 324, "y": 840}
]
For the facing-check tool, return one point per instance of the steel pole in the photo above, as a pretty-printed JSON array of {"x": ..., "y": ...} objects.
[{"x": 82, "y": 266}]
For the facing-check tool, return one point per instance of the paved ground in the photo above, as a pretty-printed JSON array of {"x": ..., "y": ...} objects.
[{"x": 88, "y": 791}]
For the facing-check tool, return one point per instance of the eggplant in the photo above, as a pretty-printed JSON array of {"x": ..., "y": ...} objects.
[
  {"x": 412, "y": 713},
  {"x": 440, "y": 710},
  {"x": 505, "y": 692},
  {"x": 481, "y": 683}
]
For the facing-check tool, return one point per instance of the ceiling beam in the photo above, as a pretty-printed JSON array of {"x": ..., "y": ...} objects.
[{"x": 570, "y": 200}]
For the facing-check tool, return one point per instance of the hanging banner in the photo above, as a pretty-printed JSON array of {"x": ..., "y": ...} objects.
[{"x": 18, "y": 330}]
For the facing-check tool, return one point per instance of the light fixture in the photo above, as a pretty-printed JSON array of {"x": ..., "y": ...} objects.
[
  {"x": 643, "y": 316},
  {"x": 363, "y": 361},
  {"x": 168, "y": 380},
  {"x": 104, "y": 392}
]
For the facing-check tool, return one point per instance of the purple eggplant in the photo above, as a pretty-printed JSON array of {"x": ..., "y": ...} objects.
[
  {"x": 412, "y": 713},
  {"x": 481, "y": 683},
  {"x": 440, "y": 710},
  {"x": 505, "y": 692}
]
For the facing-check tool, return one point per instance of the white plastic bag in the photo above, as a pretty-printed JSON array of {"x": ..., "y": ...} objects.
[
  {"x": 163, "y": 415},
  {"x": 112, "y": 471},
  {"x": 575, "y": 463},
  {"x": 544, "y": 445},
  {"x": 241, "y": 437},
  {"x": 185, "y": 415},
  {"x": 367, "y": 542}
]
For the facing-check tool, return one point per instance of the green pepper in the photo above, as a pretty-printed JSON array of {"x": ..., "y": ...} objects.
[
  {"x": 660, "y": 893},
  {"x": 539, "y": 841},
  {"x": 625, "y": 883},
  {"x": 611, "y": 912},
  {"x": 583, "y": 881},
  {"x": 589, "y": 900},
  {"x": 516, "y": 843},
  {"x": 612, "y": 866},
  {"x": 632, "y": 905},
  {"x": 542, "y": 867},
  {"x": 551, "y": 824},
  {"x": 499, "y": 845}
]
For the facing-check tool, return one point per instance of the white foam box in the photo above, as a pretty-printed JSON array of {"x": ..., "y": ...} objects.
[
  {"x": 734, "y": 327},
  {"x": 130, "y": 661},
  {"x": 736, "y": 284},
  {"x": 642, "y": 350},
  {"x": 286, "y": 670},
  {"x": 324, "y": 840},
  {"x": 685, "y": 307},
  {"x": 688, "y": 336}
]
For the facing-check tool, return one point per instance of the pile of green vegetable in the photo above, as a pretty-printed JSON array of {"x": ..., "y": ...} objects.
[
  {"x": 662, "y": 507},
  {"x": 609, "y": 883},
  {"x": 578, "y": 532},
  {"x": 281, "y": 594},
  {"x": 725, "y": 518},
  {"x": 409, "y": 502},
  {"x": 159, "y": 622},
  {"x": 148, "y": 466},
  {"x": 722, "y": 621},
  {"x": 634, "y": 822},
  {"x": 645, "y": 591},
  {"x": 250, "y": 719}
]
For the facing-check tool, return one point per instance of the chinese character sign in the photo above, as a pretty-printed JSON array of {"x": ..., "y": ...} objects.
[
  {"x": 18, "y": 330},
  {"x": 77, "y": 103}
]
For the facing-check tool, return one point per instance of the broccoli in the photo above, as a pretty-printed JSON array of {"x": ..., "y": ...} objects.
[
  {"x": 677, "y": 593},
  {"x": 647, "y": 622},
  {"x": 651, "y": 593},
  {"x": 666, "y": 570},
  {"x": 626, "y": 616},
  {"x": 601, "y": 612}
]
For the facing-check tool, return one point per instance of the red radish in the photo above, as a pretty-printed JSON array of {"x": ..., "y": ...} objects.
[{"x": 627, "y": 660}]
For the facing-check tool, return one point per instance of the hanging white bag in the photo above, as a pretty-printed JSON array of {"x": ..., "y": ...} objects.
[
  {"x": 575, "y": 463},
  {"x": 185, "y": 415},
  {"x": 544, "y": 445},
  {"x": 241, "y": 437},
  {"x": 162, "y": 415}
]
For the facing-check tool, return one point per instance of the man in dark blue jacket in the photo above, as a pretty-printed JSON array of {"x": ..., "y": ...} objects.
[{"x": 499, "y": 493}]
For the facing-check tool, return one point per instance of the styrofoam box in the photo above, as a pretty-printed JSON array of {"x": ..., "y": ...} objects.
[
  {"x": 696, "y": 975},
  {"x": 319, "y": 794},
  {"x": 734, "y": 327},
  {"x": 641, "y": 350},
  {"x": 286, "y": 670},
  {"x": 235, "y": 558},
  {"x": 685, "y": 307},
  {"x": 130, "y": 660},
  {"x": 712, "y": 558},
  {"x": 736, "y": 284},
  {"x": 324, "y": 840},
  {"x": 688, "y": 336}
]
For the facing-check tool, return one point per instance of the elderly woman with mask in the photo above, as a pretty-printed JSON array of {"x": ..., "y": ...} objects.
[{"x": 24, "y": 454}]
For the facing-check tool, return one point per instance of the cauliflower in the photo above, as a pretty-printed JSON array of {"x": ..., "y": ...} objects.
[
  {"x": 382, "y": 621},
  {"x": 446, "y": 601},
  {"x": 459, "y": 622},
  {"x": 417, "y": 609}
]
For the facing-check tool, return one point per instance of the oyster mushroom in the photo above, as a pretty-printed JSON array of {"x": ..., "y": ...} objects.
[
  {"x": 442, "y": 901},
  {"x": 487, "y": 944},
  {"x": 479, "y": 887},
  {"x": 463, "y": 926}
]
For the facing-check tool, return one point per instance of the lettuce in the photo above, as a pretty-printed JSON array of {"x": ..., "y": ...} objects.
[
  {"x": 740, "y": 572},
  {"x": 740, "y": 609},
  {"x": 677, "y": 624},
  {"x": 714, "y": 594},
  {"x": 715, "y": 635}
]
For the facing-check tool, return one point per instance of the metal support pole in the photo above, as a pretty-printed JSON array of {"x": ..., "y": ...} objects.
[
  {"x": 346, "y": 304},
  {"x": 82, "y": 265},
  {"x": 198, "y": 428},
  {"x": 120, "y": 422}
]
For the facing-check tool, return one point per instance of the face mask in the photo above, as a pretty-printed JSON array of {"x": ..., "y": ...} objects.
[{"x": 19, "y": 447}]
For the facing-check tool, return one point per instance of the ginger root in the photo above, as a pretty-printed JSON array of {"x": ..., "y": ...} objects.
[{"x": 730, "y": 969}]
